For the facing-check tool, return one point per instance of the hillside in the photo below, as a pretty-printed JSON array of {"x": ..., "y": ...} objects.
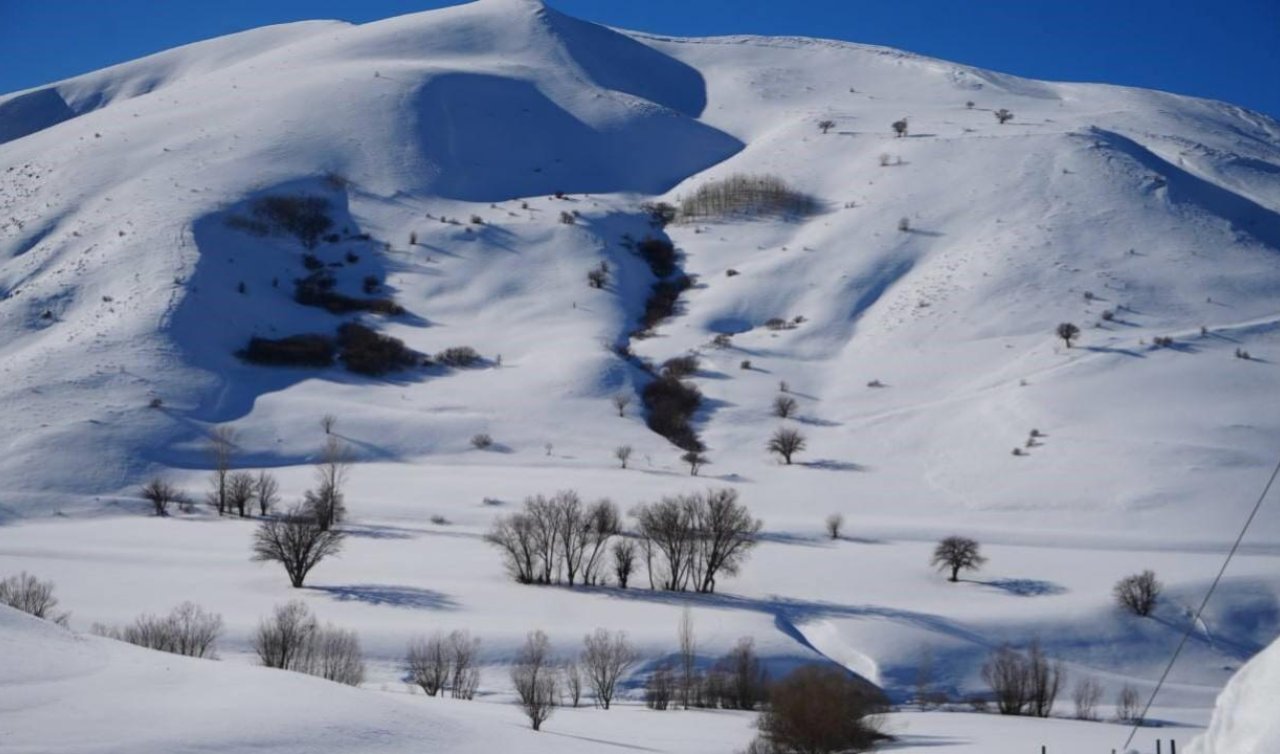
[{"x": 135, "y": 264}]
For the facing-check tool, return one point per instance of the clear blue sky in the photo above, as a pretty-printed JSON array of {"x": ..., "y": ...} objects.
[{"x": 1224, "y": 49}]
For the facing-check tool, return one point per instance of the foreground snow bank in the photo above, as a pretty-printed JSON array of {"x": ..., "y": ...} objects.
[{"x": 1245, "y": 720}]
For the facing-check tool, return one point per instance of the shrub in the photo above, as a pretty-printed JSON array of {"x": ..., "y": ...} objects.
[
  {"x": 662, "y": 300},
  {"x": 292, "y": 639},
  {"x": 746, "y": 364},
  {"x": 826, "y": 125},
  {"x": 160, "y": 494},
  {"x": 295, "y": 541},
  {"x": 568, "y": 218},
  {"x": 366, "y": 352},
  {"x": 659, "y": 254},
  {"x": 833, "y": 524},
  {"x": 900, "y": 127},
  {"x": 623, "y": 454},
  {"x": 187, "y": 630},
  {"x": 32, "y": 596},
  {"x": 784, "y": 406},
  {"x": 659, "y": 688},
  {"x": 305, "y": 217},
  {"x": 316, "y": 290},
  {"x": 819, "y": 709},
  {"x": 777, "y": 323},
  {"x": 957, "y": 553},
  {"x": 624, "y": 561},
  {"x": 904, "y": 224},
  {"x": 481, "y": 441},
  {"x": 748, "y": 196},
  {"x": 1138, "y": 593},
  {"x": 1086, "y": 696},
  {"x": 597, "y": 278},
  {"x": 1129, "y": 706},
  {"x": 620, "y": 402},
  {"x": 679, "y": 367},
  {"x": 722, "y": 340},
  {"x": 1023, "y": 684},
  {"x": 671, "y": 405},
  {"x": 1068, "y": 332},
  {"x": 660, "y": 213},
  {"x": 1003, "y": 116},
  {"x": 458, "y": 356},
  {"x": 310, "y": 350}
]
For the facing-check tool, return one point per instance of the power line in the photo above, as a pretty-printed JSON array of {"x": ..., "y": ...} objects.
[{"x": 1196, "y": 618}]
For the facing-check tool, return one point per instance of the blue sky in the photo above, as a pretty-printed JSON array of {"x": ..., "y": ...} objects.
[{"x": 1227, "y": 49}]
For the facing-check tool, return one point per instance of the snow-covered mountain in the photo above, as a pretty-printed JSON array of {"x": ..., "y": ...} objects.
[{"x": 130, "y": 277}]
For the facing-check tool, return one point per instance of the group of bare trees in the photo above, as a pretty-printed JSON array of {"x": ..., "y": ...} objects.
[
  {"x": 1024, "y": 683},
  {"x": 187, "y": 630},
  {"x": 29, "y": 594},
  {"x": 688, "y": 541},
  {"x": 556, "y": 540},
  {"x": 292, "y": 639},
  {"x": 445, "y": 663},
  {"x": 750, "y": 195}
]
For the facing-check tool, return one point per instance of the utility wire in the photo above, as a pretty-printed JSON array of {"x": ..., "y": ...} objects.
[{"x": 1196, "y": 618}]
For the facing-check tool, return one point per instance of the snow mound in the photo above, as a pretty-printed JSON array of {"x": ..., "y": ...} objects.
[{"x": 1245, "y": 720}]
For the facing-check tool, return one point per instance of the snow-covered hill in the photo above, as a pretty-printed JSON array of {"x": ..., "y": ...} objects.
[{"x": 128, "y": 282}]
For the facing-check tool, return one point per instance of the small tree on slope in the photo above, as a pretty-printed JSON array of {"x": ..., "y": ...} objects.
[{"x": 957, "y": 553}]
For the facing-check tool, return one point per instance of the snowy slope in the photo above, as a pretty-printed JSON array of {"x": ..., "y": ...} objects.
[
  {"x": 120, "y": 284},
  {"x": 1244, "y": 720}
]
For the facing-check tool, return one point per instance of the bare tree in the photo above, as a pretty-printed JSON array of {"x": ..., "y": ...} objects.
[
  {"x": 1005, "y": 671},
  {"x": 602, "y": 524},
  {"x": 620, "y": 402},
  {"x": 296, "y": 541},
  {"x": 826, "y": 125},
  {"x": 572, "y": 682},
  {"x": 326, "y": 502},
  {"x": 688, "y": 657},
  {"x": 1003, "y": 116},
  {"x": 572, "y": 532},
  {"x": 1086, "y": 696},
  {"x": 1129, "y": 706},
  {"x": 328, "y": 422},
  {"x": 784, "y": 406},
  {"x": 786, "y": 443},
  {"x": 696, "y": 460},
  {"x": 514, "y": 536},
  {"x": 335, "y": 656},
  {"x": 658, "y": 687},
  {"x": 240, "y": 489},
  {"x": 957, "y": 553},
  {"x": 900, "y": 127},
  {"x": 821, "y": 710},
  {"x": 624, "y": 561},
  {"x": 1045, "y": 680},
  {"x": 267, "y": 492},
  {"x": 834, "y": 523},
  {"x": 1138, "y": 593},
  {"x": 534, "y": 677},
  {"x": 1068, "y": 332},
  {"x": 284, "y": 639},
  {"x": 597, "y": 277},
  {"x": 623, "y": 454},
  {"x": 666, "y": 530},
  {"x": 724, "y": 534},
  {"x": 32, "y": 596},
  {"x": 606, "y": 658},
  {"x": 160, "y": 494},
  {"x": 429, "y": 664},
  {"x": 222, "y": 442},
  {"x": 463, "y": 649},
  {"x": 746, "y": 682}
]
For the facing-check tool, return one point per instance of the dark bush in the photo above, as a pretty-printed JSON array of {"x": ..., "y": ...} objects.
[
  {"x": 305, "y": 217},
  {"x": 680, "y": 367},
  {"x": 458, "y": 356},
  {"x": 317, "y": 290},
  {"x": 749, "y": 196},
  {"x": 311, "y": 350},
  {"x": 312, "y": 262},
  {"x": 660, "y": 213},
  {"x": 822, "y": 709},
  {"x": 660, "y": 254},
  {"x": 662, "y": 300},
  {"x": 671, "y": 404},
  {"x": 367, "y": 352}
]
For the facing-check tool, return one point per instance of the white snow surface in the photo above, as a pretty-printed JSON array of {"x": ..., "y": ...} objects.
[
  {"x": 1245, "y": 720},
  {"x": 119, "y": 284}
]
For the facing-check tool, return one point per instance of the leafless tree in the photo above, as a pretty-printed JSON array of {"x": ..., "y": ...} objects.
[
  {"x": 328, "y": 422},
  {"x": 514, "y": 536},
  {"x": 623, "y": 454},
  {"x": 463, "y": 648},
  {"x": 1003, "y": 116},
  {"x": 1138, "y": 593},
  {"x": 696, "y": 460},
  {"x": 748, "y": 195},
  {"x": 222, "y": 442},
  {"x": 1005, "y": 671},
  {"x": 786, "y": 443},
  {"x": 335, "y": 656},
  {"x": 1068, "y": 332},
  {"x": 666, "y": 530},
  {"x": 160, "y": 494},
  {"x": 267, "y": 492},
  {"x": 606, "y": 658},
  {"x": 572, "y": 682},
  {"x": 821, "y": 710},
  {"x": 545, "y": 516},
  {"x": 724, "y": 534},
  {"x": 1086, "y": 696},
  {"x": 957, "y": 553},
  {"x": 603, "y": 523},
  {"x": 688, "y": 657},
  {"x": 284, "y": 639},
  {"x": 745, "y": 680},
  {"x": 900, "y": 127},
  {"x": 326, "y": 502},
  {"x": 240, "y": 489},
  {"x": 429, "y": 664},
  {"x": 1129, "y": 705},
  {"x": 534, "y": 677},
  {"x": 597, "y": 277},
  {"x": 658, "y": 687},
  {"x": 620, "y": 402},
  {"x": 624, "y": 561},
  {"x": 32, "y": 596},
  {"x": 826, "y": 125},
  {"x": 1045, "y": 680},
  {"x": 571, "y": 535},
  {"x": 296, "y": 541},
  {"x": 834, "y": 523},
  {"x": 784, "y": 406}
]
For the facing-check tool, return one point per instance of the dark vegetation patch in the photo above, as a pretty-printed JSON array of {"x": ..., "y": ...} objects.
[
  {"x": 671, "y": 405},
  {"x": 304, "y": 217},
  {"x": 662, "y": 301},
  {"x": 316, "y": 290},
  {"x": 312, "y": 350},
  {"x": 748, "y": 196},
  {"x": 367, "y": 352},
  {"x": 660, "y": 254},
  {"x": 458, "y": 356}
]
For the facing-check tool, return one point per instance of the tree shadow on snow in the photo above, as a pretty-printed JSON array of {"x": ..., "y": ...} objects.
[
  {"x": 829, "y": 464},
  {"x": 392, "y": 596},
  {"x": 1025, "y": 587}
]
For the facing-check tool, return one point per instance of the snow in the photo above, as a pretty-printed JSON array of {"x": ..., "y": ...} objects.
[
  {"x": 1244, "y": 720},
  {"x": 115, "y": 189}
]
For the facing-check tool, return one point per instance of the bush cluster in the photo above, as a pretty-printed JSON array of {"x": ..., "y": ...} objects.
[
  {"x": 304, "y": 217},
  {"x": 309, "y": 350},
  {"x": 316, "y": 290},
  {"x": 749, "y": 196},
  {"x": 662, "y": 300},
  {"x": 671, "y": 405},
  {"x": 368, "y": 352}
]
